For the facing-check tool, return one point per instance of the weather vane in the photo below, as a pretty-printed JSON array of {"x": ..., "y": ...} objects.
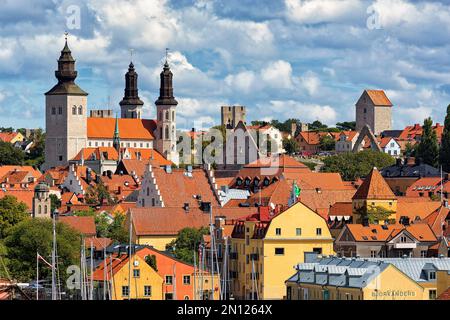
[
  {"x": 131, "y": 54},
  {"x": 66, "y": 34},
  {"x": 167, "y": 53}
]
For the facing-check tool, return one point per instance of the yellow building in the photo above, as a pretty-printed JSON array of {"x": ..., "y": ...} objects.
[
  {"x": 374, "y": 194},
  {"x": 145, "y": 283},
  {"x": 331, "y": 278},
  {"x": 266, "y": 246}
]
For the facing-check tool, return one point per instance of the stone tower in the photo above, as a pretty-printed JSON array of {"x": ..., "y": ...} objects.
[
  {"x": 41, "y": 201},
  {"x": 166, "y": 116},
  {"x": 374, "y": 109},
  {"x": 131, "y": 104},
  {"x": 231, "y": 115},
  {"x": 65, "y": 114}
]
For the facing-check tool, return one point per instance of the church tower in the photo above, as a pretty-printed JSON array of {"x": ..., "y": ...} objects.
[
  {"x": 166, "y": 116},
  {"x": 131, "y": 105},
  {"x": 41, "y": 201},
  {"x": 65, "y": 114}
]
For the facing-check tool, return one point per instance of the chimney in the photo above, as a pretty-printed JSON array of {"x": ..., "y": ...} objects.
[
  {"x": 365, "y": 222},
  {"x": 119, "y": 189},
  {"x": 205, "y": 206},
  {"x": 293, "y": 129},
  {"x": 88, "y": 175},
  {"x": 109, "y": 174},
  {"x": 186, "y": 206},
  {"x": 411, "y": 161}
]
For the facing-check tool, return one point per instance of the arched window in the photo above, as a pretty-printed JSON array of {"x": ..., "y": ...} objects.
[
  {"x": 148, "y": 191},
  {"x": 161, "y": 133},
  {"x": 160, "y": 115},
  {"x": 39, "y": 209},
  {"x": 167, "y": 115},
  {"x": 45, "y": 209},
  {"x": 167, "y": 133},
  {"x": 74, "y": 110},
  {"x": 80, "y": 110},
  {"x": 173, "y": 131},
  {"x": 173, "y": 115}
]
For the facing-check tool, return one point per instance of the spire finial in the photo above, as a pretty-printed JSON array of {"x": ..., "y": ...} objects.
[
  {"x": 167, "y": 53},
  {"x": 131, "y": 54},
  {"x": 65, "y": 35}
]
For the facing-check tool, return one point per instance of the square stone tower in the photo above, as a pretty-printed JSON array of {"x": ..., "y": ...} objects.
[
  {"x": 65, "y": 114},
  {"x": 231, "y": 115},
  {"x": 374, "y": 109}
]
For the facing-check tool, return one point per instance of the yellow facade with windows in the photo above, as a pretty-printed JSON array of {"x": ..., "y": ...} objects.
[
  {"x": 145, "y": 277},
  {"x": 158, "y": 242},
  {"x": 263, "y": 263},
  {"x": 368, "y": 204}
]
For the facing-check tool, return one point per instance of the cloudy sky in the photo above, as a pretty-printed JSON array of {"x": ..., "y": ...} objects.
[{"x": 308, "y": 59}]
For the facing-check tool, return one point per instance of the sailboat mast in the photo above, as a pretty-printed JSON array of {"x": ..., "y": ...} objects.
[
  {"x": 37, "y": 275},
  {"x": 211, "y": 231},
  {"x": 129, "y": 262},
  {"x": 195, "y": 278},
  {"x": 54, "y": 260},
  {"x": 91, "y": 292}
]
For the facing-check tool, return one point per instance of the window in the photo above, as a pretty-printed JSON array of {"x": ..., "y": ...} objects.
[
  {"x": 432, "y": 294},
  {"x": 80, "y": 110},
  {"x": 298, "y": 231},
  {"x": 74, "y": 110},
  {"x": 168, "y": 296},
  {"x": 317, "y": 250},
  {"x": 279, "y": 251},
  {"x": 278, "y": 231},
  {"x": 169, "y": 279},
  {"x": 186, "y": 280},
  {"x": 60, "y": 158},
  {"x": 147, "y": 291},
  {"x": 136, "y": 273},
  {"x": 153, "y": 202},
  {"x": 423, "y": 253},
  {"x": 59, "y": 110},
  {"x": 186, "y": 297},
  {"x": 403, "y": 239},
  {"x": 166, "y": 133},
  {"x": 53, "y": 110},
  {"x": 373, "y": 254},
  {"x": 125, "y": 291},
  {"x": 432, "y": 275},
  {"x": 318, "y": 231},
  {"x": 167, "y": 115}
]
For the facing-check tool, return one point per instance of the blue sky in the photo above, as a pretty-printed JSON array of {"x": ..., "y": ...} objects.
[{"x": 295, "y": 58}]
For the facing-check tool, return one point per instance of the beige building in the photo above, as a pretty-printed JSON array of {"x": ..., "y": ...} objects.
[
  {"x": 231, "y": 115},
  {"x": 374, "y": 109}
]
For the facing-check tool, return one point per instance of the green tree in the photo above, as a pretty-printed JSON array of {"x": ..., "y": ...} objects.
[
  {"x": 410, "y": 150},
  {"x": 290, "y": 145},
  {"x": 10, "y": 155},
  {"x": 35, "y": 235},
  {"x": 55, "y": 202},
  {"x": 98, "y": 194},
  {"x": 327, "y": 143},
  {"x": 354, "y": 165},
  {"x": 428, "y": 148},
  {"x": 11, "y": 212},
  {"x": 117, "y": 230},
  {"x": 186, "y": 243},
  {"x": 317, "y": 126},
  {"x": 346, "y": 125},
  {"x": 36, "y": 155},
  {"x": 375, "y": 214},
  {"x": 444, "y": 156},
  {"x": 151, "y": 261}
]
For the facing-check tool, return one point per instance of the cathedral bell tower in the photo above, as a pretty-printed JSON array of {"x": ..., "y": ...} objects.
[
  {"x": 131, "y": 104},
  {"x": 166, "y": 116},
  {"x": 65, "y": 114}
]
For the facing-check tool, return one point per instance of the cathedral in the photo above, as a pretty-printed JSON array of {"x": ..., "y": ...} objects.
[{"x": 69, "y": 129}]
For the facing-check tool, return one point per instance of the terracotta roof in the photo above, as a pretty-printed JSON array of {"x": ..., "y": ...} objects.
[
  {"x": 115, "y": 263},
  {"x": 349, "y": 135},
  {"x": 58, "y": 174},
  {"x": 169, "y": 221},
  {"x": 25, "y": 196},
  {"x": 376, "y": 232},
  {"x": 321, "y": 180},
  {"x": 282, "y": 161},
  {"x": 97, "y": 153},
  {"x": 325, "y": 199},
  {"x": 120, "y": 186},
  {"x": 379, "y": 98},
  {"x": 8, "y": 168},
  {"x": 137, "y": 129},
  {"x": 414, "y": 210},
  {"x": 313, "y": 137},
  {"x": 155, "y": 158},
  {"x": 14, "y": 177},
  {"x": 437, "y": 220},
  {"x": 277, "y": 193},
  {"x": 374, "y": 187},
  {"x": 84, "y": 225},
  {"x": 7, "y": 136},
  {"x": 341, "y": 209},
  {"x": 98, "y": 243},
  {"x": 411, "y": 133},
  {"x": 383, "y": 142},
  {"x": 445, "y": 295},
  {"x": 177, "y": 188}
]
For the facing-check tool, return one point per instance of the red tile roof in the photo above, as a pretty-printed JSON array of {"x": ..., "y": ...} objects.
[
  {"x": 379, "y": 98},
  {"x": 376, "y": 232},
  {"x": 445, "y": 295},
  {"x": 8, "y": 168},
  {"x": 98, "y": 243},
  {"x": 25, "y": 196},
  {"x": 84, "y": 225},
  {"x": 169, "y": 221},
  {"x": 7, "y": 136},
  {"x": 136, "y": 129},
  {"x": 374, "y": 187}
]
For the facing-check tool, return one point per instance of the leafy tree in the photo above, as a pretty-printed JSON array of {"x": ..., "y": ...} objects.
[
  {"x": 35, "y": 235},
  {"x": 327, "y": 143},
  {"x": 98, "y": 194},
  {"x": 445, "y": 143},
  {"x": 9, "y": 155},
  {"x": 290, "y": 145},
  {"x": 187, "y": 243},
  {"x": 151, "y": 261},
  {"x": 36, "y": 155},
  {"x": 11, "y": 212},
  {"x": 375, "y": 214},
  {"x": 346, "y": 125},
  {"x": 9, "y": 130},
  {"x": 410, "y": 150},
  {"x": 354, "y": 165},
  {"x": 317, "y": 126},
  {"x": 428, "y": 148},
  {"x": 117, "y": 230},
  {"x": 55, "y": 202}
]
